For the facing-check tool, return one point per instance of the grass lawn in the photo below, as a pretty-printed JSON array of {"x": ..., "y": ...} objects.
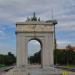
[
  {"x": 69, "y": 66},
  {"x": 2, "y": 65}
]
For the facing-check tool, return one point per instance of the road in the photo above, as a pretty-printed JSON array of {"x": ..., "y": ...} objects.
[
  {"x": 64, "y": 71},
  {"x": 67, "y": 71},
  {"x": 2, "y": 72},
  {"x": 5, "y": 69}
]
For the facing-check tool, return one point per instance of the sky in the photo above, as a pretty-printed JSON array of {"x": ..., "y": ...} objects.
[{"x": 12, "y": 11}]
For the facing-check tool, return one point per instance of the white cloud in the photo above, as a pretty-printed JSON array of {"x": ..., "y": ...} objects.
[
  {"x": 65, "y": 27},
  {"x": 33, "y": 47},
  {"x": 16, "y": 8},
  {"x": 12, "y": 11},
  {"x": 5, "y": 48},
  {"x": 64, "y": 43}
]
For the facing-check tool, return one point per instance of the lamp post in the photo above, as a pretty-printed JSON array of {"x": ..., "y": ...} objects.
[{"x": 55, "y": 44}]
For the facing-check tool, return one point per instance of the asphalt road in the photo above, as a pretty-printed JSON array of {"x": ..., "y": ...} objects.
[
  {"x": 2, "y": 72},
  {"x": 5, "y": 69},
  {"x": 64, "y": 71}
]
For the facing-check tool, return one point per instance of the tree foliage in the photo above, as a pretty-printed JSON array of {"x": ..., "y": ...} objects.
[
  {"x": 62, "y": 57},
  {"x": 8, "y": 59},
  {"x": 36, "y": 58}
]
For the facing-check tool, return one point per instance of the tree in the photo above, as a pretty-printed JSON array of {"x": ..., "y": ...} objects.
[
  {"x": 7, "y": 59},
  {"x": 36, "y": 58}
]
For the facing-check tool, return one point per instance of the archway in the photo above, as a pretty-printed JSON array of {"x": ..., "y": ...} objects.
[
  {"x": 44, "y": 32},
  {"x": 34, "y": 51}
]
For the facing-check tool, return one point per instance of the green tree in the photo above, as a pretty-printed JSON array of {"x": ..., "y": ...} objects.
[{"x": 7, "y": 59}]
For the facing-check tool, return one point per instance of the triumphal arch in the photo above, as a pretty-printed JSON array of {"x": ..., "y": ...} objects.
[{"x": 44, "y": 32}]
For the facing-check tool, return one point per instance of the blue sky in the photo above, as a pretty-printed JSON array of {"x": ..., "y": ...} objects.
[{"x": 12, "y": 11}]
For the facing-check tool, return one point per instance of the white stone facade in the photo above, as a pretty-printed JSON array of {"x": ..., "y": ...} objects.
[{"x": 44, "y": 32}]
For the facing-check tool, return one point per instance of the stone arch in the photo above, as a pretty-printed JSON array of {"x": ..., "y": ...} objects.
[
  {"x": 41, "y": 46},
  {"x": 44, "y": 34}
]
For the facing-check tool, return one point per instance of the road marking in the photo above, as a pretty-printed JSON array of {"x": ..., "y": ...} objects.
[{"x": 67, "y": 73}]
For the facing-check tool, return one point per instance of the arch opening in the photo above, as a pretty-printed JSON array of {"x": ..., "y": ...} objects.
[{"x": 34, "y": 51}]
